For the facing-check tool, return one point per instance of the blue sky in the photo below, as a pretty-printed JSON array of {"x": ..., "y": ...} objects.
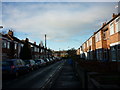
[{"x": 67, "y": 24}]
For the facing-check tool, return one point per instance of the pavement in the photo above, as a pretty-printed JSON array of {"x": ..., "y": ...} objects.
[{"x": 67, "y": 78}]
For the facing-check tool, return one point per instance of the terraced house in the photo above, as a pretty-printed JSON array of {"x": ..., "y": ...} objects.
[
  {"x": 115, "y": 38},
  {"x": 11, "y": 47},
  {"x": 104, "y": 44}
]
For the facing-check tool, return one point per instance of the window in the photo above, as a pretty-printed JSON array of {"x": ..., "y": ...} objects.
[
  {"x": 111, "y": 29},
  {"x": 38, "y": 49},
  {"x": 118, "y": 47},
  {"x": 22, "y": 45},
  {"x": 117, "y": 24},
  {"x": 15, "y": 46},
  {"x": 84, "y": 46},
  {"x": 90, "y": 42},
  {"x": 113, "y": 53},
  {"x": 8, "y": 45},
  {"x": 41, "y": 50},
  {"x": 4, "y": 44},
  {"x": 87, "y": 43},
  {"x": 97, "y": 37},
  {"x": 35, "y": 49},
  {"x": 118, "y": 53}
]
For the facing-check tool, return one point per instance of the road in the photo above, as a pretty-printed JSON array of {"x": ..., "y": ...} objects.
[{"x": 34, "y": 79}]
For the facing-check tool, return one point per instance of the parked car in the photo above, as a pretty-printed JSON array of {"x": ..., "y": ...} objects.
[
  {"x": 30, "y": 64},
  {"x": 43, "y": 63},
  {"x": 47, "y": 61},
  {"x": 54, "y": 59},
  {"x": 51, "y": 60},
  {"x": 6, "y": 68},
  {"x": 37, "y": 62},
  {"x": 13, "y": 67}
]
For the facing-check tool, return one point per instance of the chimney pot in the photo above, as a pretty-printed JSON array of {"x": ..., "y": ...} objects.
[
  {"x": 114, "y": 15},
  {"x": 35, "y": 43}
]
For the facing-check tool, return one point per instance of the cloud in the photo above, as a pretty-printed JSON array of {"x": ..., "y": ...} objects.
[
  {"x": 0, "y": 12},
  {"x": 60, "y": 21},
  {"x": 60, "y": 0}
]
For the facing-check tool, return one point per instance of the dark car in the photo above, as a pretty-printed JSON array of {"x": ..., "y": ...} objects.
[
  {"x": 37, "y": 62},
  {"x": 6, "y": 68},
  {"x": 13, "y": 67},
  {"x": 30, "y": 64}
]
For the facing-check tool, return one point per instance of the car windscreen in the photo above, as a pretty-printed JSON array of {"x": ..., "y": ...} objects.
[
  {"x": 36, "y": 61},
  {"x": 39, "y": 61}
]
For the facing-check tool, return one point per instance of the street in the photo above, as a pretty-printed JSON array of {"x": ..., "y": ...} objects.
[
  {"x": 59, "y": 44},
  {"x": 34, "y": 79}
]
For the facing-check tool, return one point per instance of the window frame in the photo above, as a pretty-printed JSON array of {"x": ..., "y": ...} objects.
[
  {"x": 112, "y": 31},
  {"x": 4, "y": 44},
  {"x": 117, "y": 24}
]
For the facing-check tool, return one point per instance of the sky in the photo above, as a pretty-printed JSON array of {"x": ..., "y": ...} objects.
[{"x": 66, "y": 24}]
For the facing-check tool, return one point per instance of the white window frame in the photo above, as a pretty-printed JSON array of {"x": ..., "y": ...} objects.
[
  {"x": 22, "y": 45},
  {"x": 117, "y": 24},
  {"x": 38, "y": 49},
  {"x": 15, "y": 47},
  {"x": 90, "y": 41},
  {"x": 98, "y": 37},
  {"x": 8, "y": 45},
  {"x": 112, "y": 28},
  {"x": 4, "y": 44},
  {"x": 84, "y": 46}
]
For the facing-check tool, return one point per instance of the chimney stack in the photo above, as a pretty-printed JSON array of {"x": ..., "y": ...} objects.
[
  {"x": 10, "y": 32},
  {"x": 114, "y": 15},
  {"x": 35, "y": 43},
  {"x": 27, "y": 40},
  {"x": 104, "y": 24}
]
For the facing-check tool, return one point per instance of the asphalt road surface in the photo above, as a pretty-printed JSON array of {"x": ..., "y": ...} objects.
[{"x": 33, "y": 79}]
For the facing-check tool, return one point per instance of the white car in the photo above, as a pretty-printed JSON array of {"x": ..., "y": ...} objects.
[{"x": 42, "y": 62}]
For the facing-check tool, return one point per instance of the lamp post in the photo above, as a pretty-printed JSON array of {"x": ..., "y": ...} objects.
[
  {"x": 1, "y": 58},
  {"x": 45, "y": 47},
  {"x": 0, "y": 33}
]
